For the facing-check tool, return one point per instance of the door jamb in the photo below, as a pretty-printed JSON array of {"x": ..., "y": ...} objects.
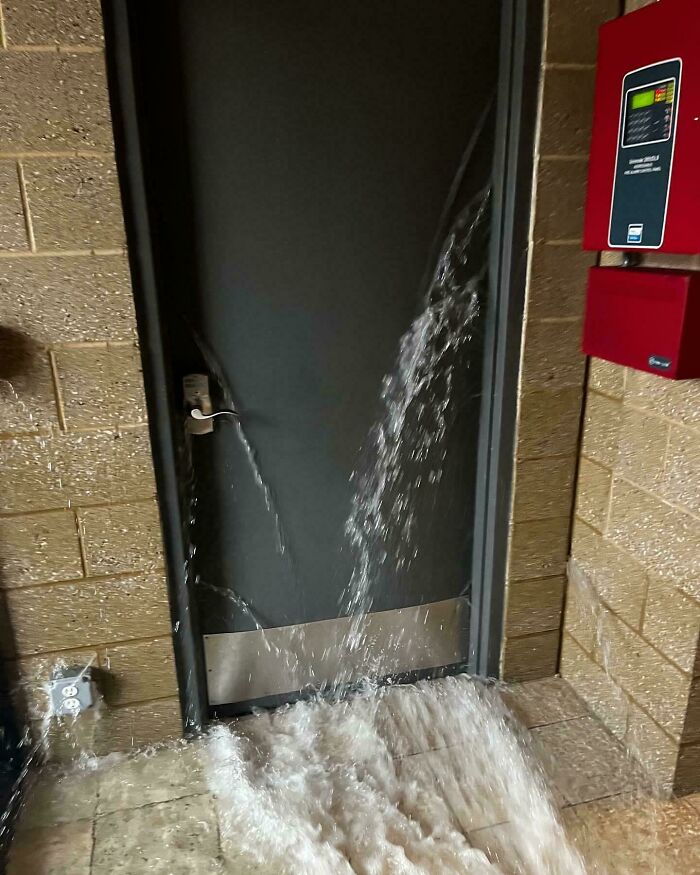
[
  {"x": 516, "y": 124},
  {"x": 521, "y": 41},
  {"x": 166, "y": 444}
]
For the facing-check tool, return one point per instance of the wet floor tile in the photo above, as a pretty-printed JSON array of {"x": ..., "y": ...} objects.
[
  {"x": 444, "y": 784},
  {"x": 156, "y": 776},
  {"x": 496, "y": 843},
  {"x": 515, "y": 849},
  {"x": 169, "y": 838},
  {"x": 407, "y": 726},
  {"x": 411, "y": 722},
  {"x": 629, "y": 835},
  {"x": 583, "y": 760},
  {"x": 238, "y": 863},
  {"x": 59, "y": 797},
  {"x": 539, "y": 703},
  {"x": 57, "y": 850}
]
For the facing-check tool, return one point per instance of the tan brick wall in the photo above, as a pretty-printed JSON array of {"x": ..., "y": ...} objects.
[
  {"x": 552, "y": 373},
  {"x": 82, "y": 566},
  {"x": 634, "y": 597}
]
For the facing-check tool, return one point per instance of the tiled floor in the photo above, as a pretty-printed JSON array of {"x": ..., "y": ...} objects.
[{"x": 153, "y": 814}]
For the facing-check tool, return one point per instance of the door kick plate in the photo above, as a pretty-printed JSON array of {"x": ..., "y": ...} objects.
[{"x": 246, "y": 665}]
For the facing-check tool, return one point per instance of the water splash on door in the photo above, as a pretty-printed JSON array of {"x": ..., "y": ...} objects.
[{"x": 405, "y": 450}]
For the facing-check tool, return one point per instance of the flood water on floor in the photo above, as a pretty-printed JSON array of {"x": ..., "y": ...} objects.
[{"x": 442, "y": 777}]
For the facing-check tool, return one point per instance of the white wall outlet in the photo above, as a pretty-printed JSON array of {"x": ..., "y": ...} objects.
[{"x": 72, "y": 691}]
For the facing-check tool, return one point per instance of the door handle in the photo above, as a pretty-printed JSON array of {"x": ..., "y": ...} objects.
[
  {"x": 196, "y": 413},
  {"x": 195, "y": 391}
]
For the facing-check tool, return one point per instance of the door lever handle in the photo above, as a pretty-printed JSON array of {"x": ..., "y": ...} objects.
[
  {"x": 200, "y": 411},
  {"x": 196, "y": 413}
]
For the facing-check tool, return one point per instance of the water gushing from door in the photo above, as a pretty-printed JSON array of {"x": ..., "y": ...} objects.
[
  {"x": 322, "y": 789},
  {"x": 404, "y": 779},
  {"x": 406, "y": 447}
]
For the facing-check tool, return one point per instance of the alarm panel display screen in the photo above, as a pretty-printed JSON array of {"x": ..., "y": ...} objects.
[{"x": 649, "y": 114}]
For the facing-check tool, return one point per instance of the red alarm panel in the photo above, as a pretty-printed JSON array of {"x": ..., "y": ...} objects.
[
  {"x": 644, "y": 171},
  {"x": 645, "y": 319}
]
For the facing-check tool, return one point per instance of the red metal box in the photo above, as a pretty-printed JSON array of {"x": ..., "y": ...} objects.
[
  {"x": 648, "y": 319},
  {"x": 644, "y": 172}
]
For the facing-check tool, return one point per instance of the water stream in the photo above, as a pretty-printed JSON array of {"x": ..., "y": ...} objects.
[{"x": 407, "y": 444}]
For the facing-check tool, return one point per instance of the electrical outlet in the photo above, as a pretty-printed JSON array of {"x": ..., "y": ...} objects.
[{"x": 72, "y": 691}]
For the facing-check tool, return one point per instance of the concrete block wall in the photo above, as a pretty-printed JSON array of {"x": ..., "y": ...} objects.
[
  {"x": 632, "y": 624},
  {"x": 82, "y": 574},
  {"x": 634, "y": 598},
  {"x": 552, "y": 369}
]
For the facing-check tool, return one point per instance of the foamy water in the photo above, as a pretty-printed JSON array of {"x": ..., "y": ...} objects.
[{"x": 323, "y": 789}]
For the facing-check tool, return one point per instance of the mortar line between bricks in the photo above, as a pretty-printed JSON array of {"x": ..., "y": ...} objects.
[
  {"x": 80, "y": 531},
  {"x": 96, "y": 344},
  {"x": 30, "y": 48},
  {"x": 547, "y": 457},
  {"x": 63, "y": 253},
  {"x": 558, "y": 320},
  {"x": 557, "y": 517},
  {"x": 659, "y": 499},
  {"x": 94, "y": 580},
  {"x": 568, "y": 65},
  {"x": 542, "y": 578},
  {"x": 79, "y": 506},
  {"x": 69, "y": 504},
  {"x": 60, "y": 407},
  {"x": 526, "y": 635},
  {"x": 99, "y": 646},
  {"x": 560, "y": 158},
  {"x": 31, "y": 239},
  {"x": 60, "y": 153},
  {"x": 70, "y": 49},
  {"x": 52, "y": 433}
]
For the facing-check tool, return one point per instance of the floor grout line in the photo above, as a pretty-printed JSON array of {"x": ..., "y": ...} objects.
[{"x": 102, "y": 815}]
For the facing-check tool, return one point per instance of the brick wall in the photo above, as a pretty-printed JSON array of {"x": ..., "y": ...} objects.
[
  {"x": 552, "y": 372},
  {"x": 82, "y": 568},
  {"x": 634, "y": 599}
]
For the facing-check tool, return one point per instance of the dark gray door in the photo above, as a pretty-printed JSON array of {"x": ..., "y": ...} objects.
[{"x": 307, "y": 160}]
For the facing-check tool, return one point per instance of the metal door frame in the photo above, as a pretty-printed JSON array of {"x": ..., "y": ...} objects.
[
  {"x": 514, "y": 161},
  {"x": 521, "y": 43}
]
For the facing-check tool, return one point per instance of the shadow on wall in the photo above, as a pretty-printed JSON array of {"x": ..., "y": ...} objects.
[{"x": 20, "y": 356}]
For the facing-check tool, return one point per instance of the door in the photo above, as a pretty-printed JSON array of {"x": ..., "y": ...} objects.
[{"x": 312, "y": 169}]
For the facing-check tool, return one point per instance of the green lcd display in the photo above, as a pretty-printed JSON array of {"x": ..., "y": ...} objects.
[{"x": 643, "y": 98}]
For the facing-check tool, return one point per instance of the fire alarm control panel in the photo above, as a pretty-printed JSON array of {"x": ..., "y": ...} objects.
[{"x": 644, "y": 187}]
